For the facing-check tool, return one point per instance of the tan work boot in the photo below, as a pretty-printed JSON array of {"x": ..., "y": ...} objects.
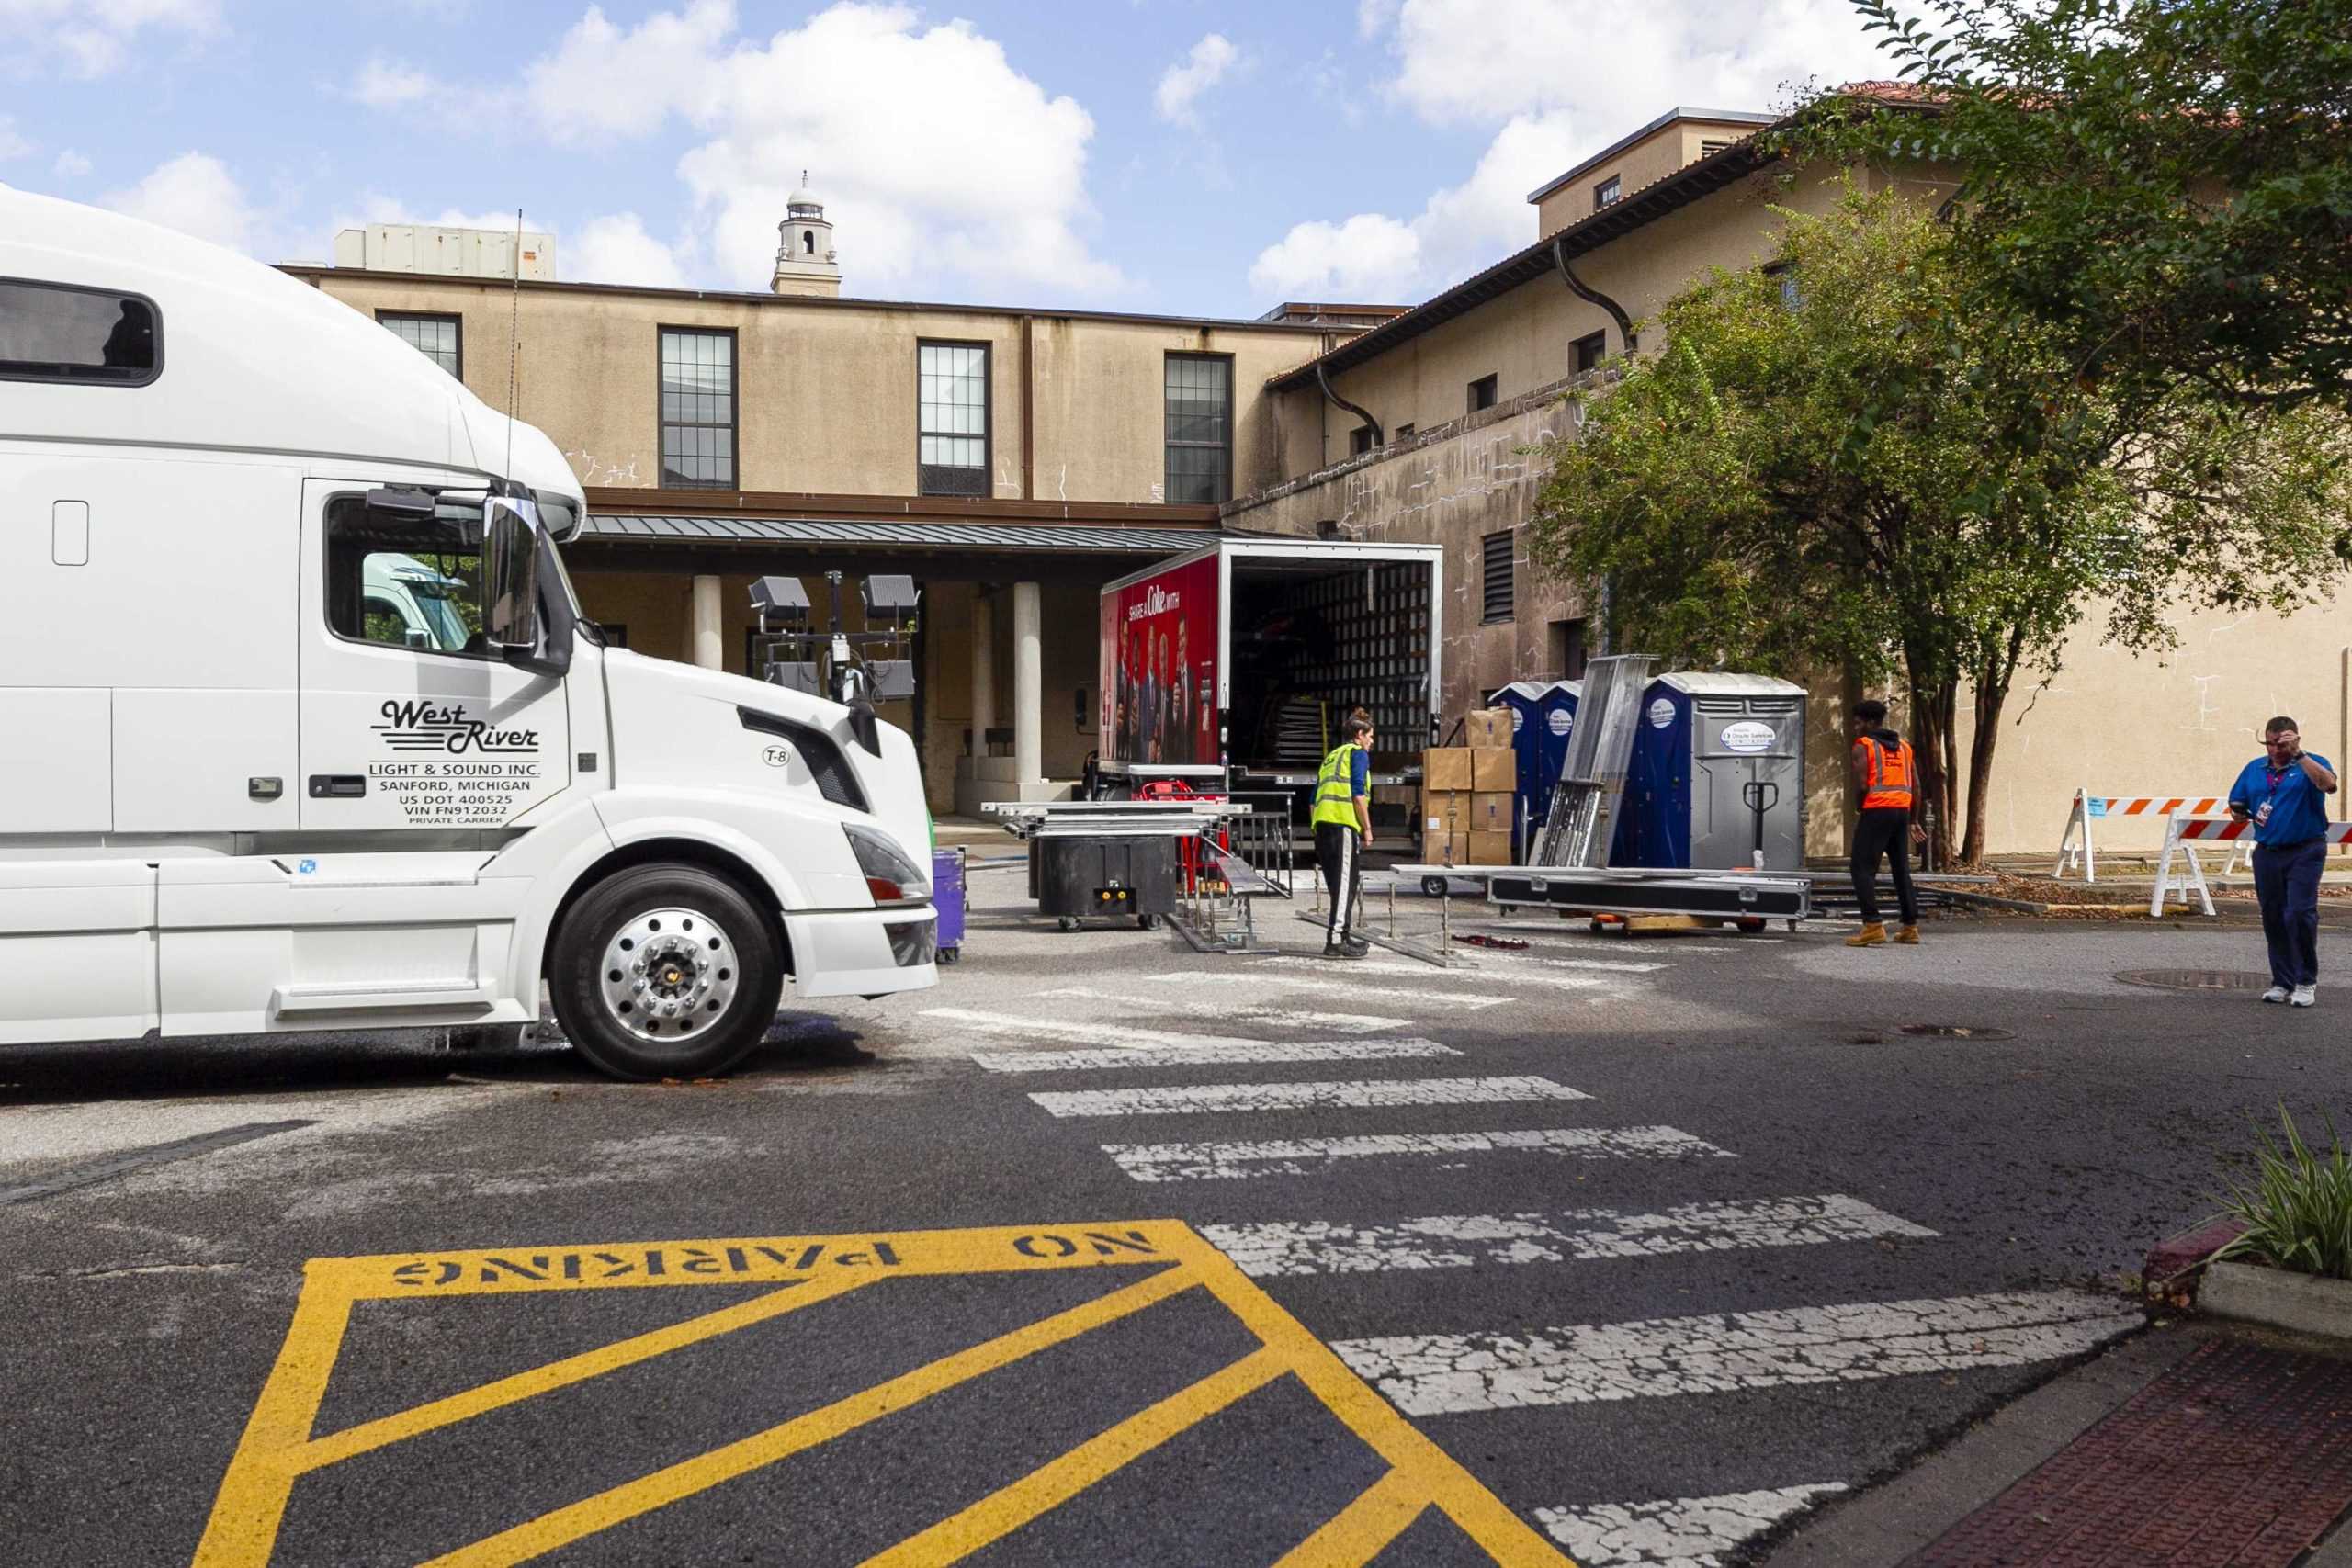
[
  {"x": 1908, "y": 936},
  {"x": 1871, "y": 935}
]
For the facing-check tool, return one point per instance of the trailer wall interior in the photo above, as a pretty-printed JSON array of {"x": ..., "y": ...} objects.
[{"x": 1305, "y": 630}]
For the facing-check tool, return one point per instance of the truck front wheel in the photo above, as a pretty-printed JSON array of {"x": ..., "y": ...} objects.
[{"x": 664, "y": 971}]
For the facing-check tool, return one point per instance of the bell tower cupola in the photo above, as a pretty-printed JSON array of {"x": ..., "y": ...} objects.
[{"x": 806, "y": 262}]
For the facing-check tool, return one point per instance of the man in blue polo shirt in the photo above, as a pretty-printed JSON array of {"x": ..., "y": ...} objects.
[{"x": 2284, "y": 793}]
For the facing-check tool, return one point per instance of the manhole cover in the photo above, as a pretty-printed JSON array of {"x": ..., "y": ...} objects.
[
  {"x": 1954, "y": 1031},
  {"x": 2196, "y": 979}
]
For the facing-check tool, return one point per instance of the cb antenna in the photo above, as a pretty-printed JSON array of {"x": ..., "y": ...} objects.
[{"x": 514, "y": 346}]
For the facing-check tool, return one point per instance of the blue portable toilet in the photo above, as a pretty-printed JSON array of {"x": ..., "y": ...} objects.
[
  {"x": 1717, "y": 772},
  {"x": 1542, "y": 712}
]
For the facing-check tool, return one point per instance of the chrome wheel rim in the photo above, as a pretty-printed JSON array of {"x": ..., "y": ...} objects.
[{"x": 668, "y": 975}]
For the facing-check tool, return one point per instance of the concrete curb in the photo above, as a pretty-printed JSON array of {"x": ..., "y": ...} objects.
[{"x": 2301, "y": 1304}]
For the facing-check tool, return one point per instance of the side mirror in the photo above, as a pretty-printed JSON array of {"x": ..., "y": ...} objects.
[{"x": 510, "y": 573}]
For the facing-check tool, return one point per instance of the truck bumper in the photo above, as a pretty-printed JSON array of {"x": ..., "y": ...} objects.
[{"x": 863, "y": 953}]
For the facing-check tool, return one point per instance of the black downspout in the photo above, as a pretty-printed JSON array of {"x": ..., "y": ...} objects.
[
  {"x": 1379, "y": 437},
  {"x": 1590, "y": 296}
]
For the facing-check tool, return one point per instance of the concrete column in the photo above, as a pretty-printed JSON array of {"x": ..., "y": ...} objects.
[
  {"x": 983, "y": 672},
  {"x": 705, "y": 626},
  {"x": 1028, "y": 684}
]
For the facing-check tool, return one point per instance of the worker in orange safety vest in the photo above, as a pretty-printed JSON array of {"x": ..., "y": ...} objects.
[{"x": 1887, "y": 777}]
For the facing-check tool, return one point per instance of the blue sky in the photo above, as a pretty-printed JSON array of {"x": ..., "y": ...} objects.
[{"x": 1183, "y": 156}]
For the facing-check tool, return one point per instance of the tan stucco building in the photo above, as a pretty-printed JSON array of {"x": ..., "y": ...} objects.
[{"x": 1014, "y": 460}]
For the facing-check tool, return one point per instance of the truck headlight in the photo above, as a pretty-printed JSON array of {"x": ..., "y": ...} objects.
[{"x": 890, "y": 876}]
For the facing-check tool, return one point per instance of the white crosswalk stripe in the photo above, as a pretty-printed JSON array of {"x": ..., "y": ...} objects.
[
  {"x": 1266, "y": 981},
  {"x": 1313, "y": 1156},
  {"x": 1676, "y": 1532},
  {"x": 1461, "y": 1241},
  {"x": 1082, "y": 1031},
  {"x": 1523, "y": 975},
  {"x": 1360, "y": 1093},
  {"x": 1439, "y": 1374},
  {"x": 1247, "y": 1007},
  {"x": 1118, "y": 1058}
]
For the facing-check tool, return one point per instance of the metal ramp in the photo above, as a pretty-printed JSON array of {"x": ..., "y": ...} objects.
[{"x": 1583, "y": 820}]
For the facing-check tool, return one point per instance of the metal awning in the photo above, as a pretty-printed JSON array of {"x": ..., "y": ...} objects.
[{"x": 1055, "y": 538}]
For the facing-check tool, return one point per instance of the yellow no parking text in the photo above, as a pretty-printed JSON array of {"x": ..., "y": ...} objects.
[{"x": 1166, "y": 1258}]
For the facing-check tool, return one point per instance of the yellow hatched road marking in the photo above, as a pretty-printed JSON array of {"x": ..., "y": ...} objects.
[
  {"x": 278, "y": 1447},
  {"x": 1361, "y": 1530},
  {"x": 485, "y": 1398},
  {"x": 1052, "y": 1484},
  {"x": 703, "y": 1472}
]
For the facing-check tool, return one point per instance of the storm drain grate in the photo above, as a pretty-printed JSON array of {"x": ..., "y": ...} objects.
[
  {"x": 2241, "y": 1454},
  {"x": 2196, "y": 979},
  {"x": 1954, "y": 1031}
]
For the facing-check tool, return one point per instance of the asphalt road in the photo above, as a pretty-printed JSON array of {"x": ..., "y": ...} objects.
[{"x": 1625, "y": 1249}]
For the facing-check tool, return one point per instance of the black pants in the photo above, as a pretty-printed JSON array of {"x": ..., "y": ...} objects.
[
  {"x": 1335, "y": 851},
  {"x": 2286, "y": 884},
  {"x": 1885, "y": 830}
]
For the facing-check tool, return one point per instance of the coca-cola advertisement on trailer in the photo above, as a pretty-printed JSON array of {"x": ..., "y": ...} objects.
[{"x": 1158, "y": 668}]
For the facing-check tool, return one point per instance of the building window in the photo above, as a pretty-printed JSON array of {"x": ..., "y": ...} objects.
[
  {"x": 1358, "y": 441},
  {"x": 698, "y": 410},
  {"x": 1588, "y": 351},
  {"x": 1200, "y": 428},
  {"x": 1483, "y": 392},
  {"x": 1567, "y": 650},
  {"x": 952, "y": 426},
  {"x": 1404, "y": 433},
  {"x": 1606, "y": 193},
  {"x": 1495, "y": 600},
  {"x": 90, "y": 337},
  {"x": 1786, "y": 273},
  {"x": 1708, "y": 146},
  {"x": 435, "y": 337}
]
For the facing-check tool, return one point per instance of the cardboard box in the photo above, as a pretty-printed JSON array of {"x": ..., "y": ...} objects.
[
  {"x": 1446, "y": 811},
  {"x": 1471, "y": 849},
  {"x": 1494, "y": 771},
  {"x": 1447, "y": 768},
  {"x": 1493, "y": 813},
  {"x": 1486, "y": 728},
  {"x": 1405, "y": 795}
]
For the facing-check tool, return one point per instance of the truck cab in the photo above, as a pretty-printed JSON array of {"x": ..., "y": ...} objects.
[{"x": 301, "y": 726}]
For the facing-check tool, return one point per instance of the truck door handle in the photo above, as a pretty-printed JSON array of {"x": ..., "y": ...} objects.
[{"x": 337, "y": 785}]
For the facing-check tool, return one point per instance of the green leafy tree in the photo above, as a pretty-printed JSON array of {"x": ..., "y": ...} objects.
[
  {"x": 2166, "y": 185},
  {"x": 1822, "y": 471}
]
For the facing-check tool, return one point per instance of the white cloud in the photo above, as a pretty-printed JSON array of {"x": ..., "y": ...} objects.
[
  {"x": 1193, "y": 75},
  {"x": 1532, "y": 69},
  {"x": 11, "y": 144},
  {"x": 1618, "y": 64},
  {"x": 603, "y": 84},
  {"x": 933, "y": 153},
  {"x": 196, "y": 194},
  {"x": 1375, "y": 258},
  {"x": 91, "y": 37},
  {"x": 387, "y": 84},
  {"x": 70, "y": 165},
  {"x": 616, "y": 249}
]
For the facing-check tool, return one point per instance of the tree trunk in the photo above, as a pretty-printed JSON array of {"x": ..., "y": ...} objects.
[
  {"x": 1932, "y": 711},
  {"x": 1991, "y": 696}
]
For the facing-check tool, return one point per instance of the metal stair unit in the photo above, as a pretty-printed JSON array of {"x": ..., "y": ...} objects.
[{"x": 1583, "y": 818}]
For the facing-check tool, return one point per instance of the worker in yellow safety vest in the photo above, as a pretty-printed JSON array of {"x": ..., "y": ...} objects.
[
  {"x": 1887, "y": 777},
  {"x": 1342, "y": 819}
]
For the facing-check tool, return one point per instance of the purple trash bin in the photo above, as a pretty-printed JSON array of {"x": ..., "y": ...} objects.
[{"x": 947, "y": 897}]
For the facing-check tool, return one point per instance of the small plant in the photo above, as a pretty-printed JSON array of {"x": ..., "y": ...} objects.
[{"x": 2298, "y": 1214}]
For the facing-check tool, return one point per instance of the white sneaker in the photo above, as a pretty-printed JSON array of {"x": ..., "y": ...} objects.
[
  {"x": 2274, "y": 994},
  {"x": 2305, "y": 997}
]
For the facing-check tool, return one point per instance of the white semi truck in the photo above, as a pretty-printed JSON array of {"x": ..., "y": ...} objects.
[{"x": 301, "y": 726}]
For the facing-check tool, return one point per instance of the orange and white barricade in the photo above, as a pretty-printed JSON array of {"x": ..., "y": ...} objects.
[
  {"x": 2075, "y": 847},
  {"x": 2181, "y": 836}
]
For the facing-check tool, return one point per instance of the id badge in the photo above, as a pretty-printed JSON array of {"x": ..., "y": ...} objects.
[{"x": 2262, "y": 815}]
